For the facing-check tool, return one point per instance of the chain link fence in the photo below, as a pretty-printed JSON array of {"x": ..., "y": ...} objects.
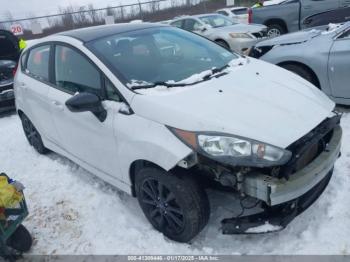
[{"x": 71, "y": 17}]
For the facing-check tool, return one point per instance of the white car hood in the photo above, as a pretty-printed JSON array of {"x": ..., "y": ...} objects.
[{"x": 257, "y": 100}]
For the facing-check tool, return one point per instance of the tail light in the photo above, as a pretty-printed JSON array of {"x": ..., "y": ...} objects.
[
  {"x": 250, "y": 16},
  {"x": 15, "y": 70}
]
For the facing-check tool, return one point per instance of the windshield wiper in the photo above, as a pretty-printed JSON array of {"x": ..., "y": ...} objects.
[
  {"x": 169, "y": 85},
  {"x": 220, "y": 69},
  {"x": 166, "y": 84}
]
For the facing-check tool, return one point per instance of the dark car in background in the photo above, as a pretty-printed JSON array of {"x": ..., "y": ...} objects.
[
  {"x": 9, "y": 54},
  {"x": 340, "y": 15}
]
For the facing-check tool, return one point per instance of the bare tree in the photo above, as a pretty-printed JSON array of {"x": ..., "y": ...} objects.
[
  {"x": 80, "y": 17},
  {"x": 67, "y": 19},
  {"x": 154, "y": 6},
  {"x": 94, "y": 15},
  {"x": 110, "y": 11}
]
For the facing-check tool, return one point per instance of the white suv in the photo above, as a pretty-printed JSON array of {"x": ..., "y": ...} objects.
[{"x": 158, "y": 111}]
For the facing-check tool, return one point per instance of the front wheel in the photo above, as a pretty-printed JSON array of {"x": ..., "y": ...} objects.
[
  {"x": 302, "y": 72},
  {"x": 174, "y": 204}
]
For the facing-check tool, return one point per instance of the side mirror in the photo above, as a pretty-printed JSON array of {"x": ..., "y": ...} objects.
[{"x": 84, "y": 102}]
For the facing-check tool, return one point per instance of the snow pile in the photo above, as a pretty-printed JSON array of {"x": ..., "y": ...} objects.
[
  {"x": 263, "y": 228},
  {"x": 73, "y": 212}
]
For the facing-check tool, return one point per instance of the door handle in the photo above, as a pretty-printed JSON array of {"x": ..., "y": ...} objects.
[{"x": 58, "y": 105}]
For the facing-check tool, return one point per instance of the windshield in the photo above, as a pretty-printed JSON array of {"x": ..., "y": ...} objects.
[
  {"x": 159, "y": 55},
  {"x": 216, "y": 21}
]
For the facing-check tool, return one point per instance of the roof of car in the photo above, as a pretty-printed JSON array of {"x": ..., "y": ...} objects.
[
  {"x": 209, "y": 14},
  {"x": 96, "y": 32}
]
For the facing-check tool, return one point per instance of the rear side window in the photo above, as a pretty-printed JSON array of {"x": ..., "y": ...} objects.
[
  {"x": 223, "y": 13},
  {"x": 74, "y": 72},
  {"x": 241, "y": 11},
  {"x": 38, "y": 62},
  {"x": 177, "y": 23}
]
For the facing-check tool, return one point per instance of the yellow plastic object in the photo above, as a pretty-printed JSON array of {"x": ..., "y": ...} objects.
[
  {"x": 9, "y": 196},
  {"x": 22, "y": 44}
]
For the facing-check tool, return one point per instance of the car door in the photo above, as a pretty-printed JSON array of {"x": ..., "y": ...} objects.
[
  {"x": 338, "y": 67},
  {"x": 82, "y": 134},
  {"x": 311, "y": 7},
  {"x": 33, "y": 85}
]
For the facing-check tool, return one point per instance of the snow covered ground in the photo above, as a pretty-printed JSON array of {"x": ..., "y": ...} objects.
[{"x": 73, "y": 212}]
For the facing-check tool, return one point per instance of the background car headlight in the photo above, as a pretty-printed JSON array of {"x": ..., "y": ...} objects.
[
  {"x": 240, "y": 35},
  {"x": 234, "y": 150}
]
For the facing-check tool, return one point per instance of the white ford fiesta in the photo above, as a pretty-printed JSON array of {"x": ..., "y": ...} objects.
[{"x": 164, "y": 114}]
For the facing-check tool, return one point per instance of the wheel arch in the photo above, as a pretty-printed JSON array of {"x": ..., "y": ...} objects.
[
  {"x": 222, "y": 40},
  {"x": 135, "y": 167},
  {"x": 278, "y": 21},
  {"x": 306, "y": 67}
]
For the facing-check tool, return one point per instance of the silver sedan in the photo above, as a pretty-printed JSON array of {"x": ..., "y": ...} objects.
[
  {"x": 235, "y": 36},
  {"x": 320, "y": 55}
]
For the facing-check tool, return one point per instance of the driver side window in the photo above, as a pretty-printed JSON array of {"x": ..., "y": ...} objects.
[{"x": 74, "y": 72}]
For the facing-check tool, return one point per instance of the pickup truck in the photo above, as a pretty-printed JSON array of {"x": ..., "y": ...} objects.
[{"x": 288, "y": 16}]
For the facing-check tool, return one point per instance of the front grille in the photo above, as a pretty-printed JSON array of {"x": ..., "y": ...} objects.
[
  {"x": 260, "y": 34},
  {"x": 309, "y": 147}
]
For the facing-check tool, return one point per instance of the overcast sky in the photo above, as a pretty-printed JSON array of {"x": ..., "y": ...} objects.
[{"x": 25, "y": 8}]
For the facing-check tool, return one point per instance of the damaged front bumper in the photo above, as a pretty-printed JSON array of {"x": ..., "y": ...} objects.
[{"x": 285, "y": 199}]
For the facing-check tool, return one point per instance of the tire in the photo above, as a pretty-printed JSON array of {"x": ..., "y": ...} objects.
[
  {"x": 223, "y": 44},
  {"x": 302, "y": 72},
  {"x": 32, "y": 135},
  {"x": 20, "y": 240},
  {"x": 181, "y": 211},
  {"x": 274, "y": 30}
]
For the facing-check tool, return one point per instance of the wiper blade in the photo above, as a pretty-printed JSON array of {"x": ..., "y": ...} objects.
[
  {"x": 169, "y": 84},
  {"x": 166, "y": 84},
  {"x": 220, "y": 69}
]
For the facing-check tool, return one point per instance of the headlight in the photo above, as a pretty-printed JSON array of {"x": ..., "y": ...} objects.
[
  {"x": 234, "y": 150},
  {"x": 240, "y": 35}
]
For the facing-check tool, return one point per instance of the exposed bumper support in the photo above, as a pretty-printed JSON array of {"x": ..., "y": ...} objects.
[
  {"x": 286, "y": 199},
  {"x": 274, "y": 191},
  {"x": 276, "y": 218}
]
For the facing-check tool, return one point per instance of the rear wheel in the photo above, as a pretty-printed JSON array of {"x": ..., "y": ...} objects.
[
  {"x": 302, "y": 72},
  {"x": 33, "y": 135},
  {"x": 174, "y": 204},
  {"x": 274, "y": 30}
]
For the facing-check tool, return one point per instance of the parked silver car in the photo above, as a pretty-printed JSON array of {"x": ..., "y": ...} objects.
[
  {"x": 237, "y": 14},
  {"x": 235, "y": 36},
  {"x": 319, "y": 55}
]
